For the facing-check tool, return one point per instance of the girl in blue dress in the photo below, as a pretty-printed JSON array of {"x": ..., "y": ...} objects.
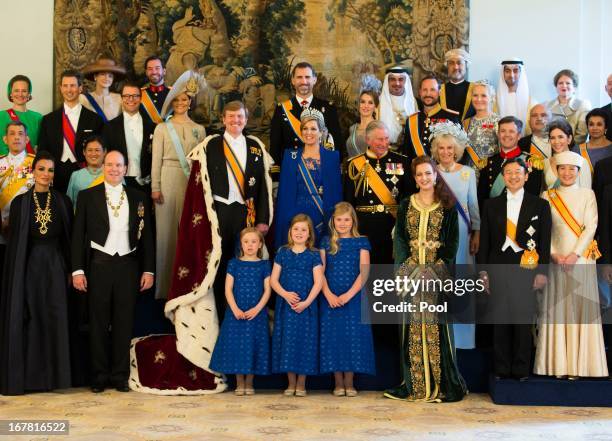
[
  {"x": 297, "y": 277},
  {"x": 243, "y": 346},
  {"x": 346, "y": 343}
]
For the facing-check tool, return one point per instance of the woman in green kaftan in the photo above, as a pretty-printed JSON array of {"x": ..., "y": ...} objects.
[{"x": 425, "y": 242}]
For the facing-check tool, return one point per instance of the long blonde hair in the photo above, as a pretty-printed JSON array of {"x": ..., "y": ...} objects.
[
  {"x": 339, "y": 209},
  {"x": 311, "y": 236}
]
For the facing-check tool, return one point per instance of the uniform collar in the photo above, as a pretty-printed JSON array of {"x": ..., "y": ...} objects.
[
  {"x": 516, "y": 151},
  {"x": 371, "y": 154}
]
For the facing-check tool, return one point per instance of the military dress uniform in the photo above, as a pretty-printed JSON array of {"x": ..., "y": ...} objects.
[
  {"x": 416, "y": 132},
  {"x": 15, "y": 178},
  {"x": 458, "y": 98},
  {"x": 375, "y": 186},
  {"x": 285, "y": 130},
  {"x": 490, "y": 186},
  {"x": 153, "y": 98}
]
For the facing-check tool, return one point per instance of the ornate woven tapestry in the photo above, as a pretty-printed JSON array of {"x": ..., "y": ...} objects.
[{"x": 245, "y": 48}]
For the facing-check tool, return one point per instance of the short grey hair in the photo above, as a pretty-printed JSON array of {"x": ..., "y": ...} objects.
[{"x": 374, "y": 125}]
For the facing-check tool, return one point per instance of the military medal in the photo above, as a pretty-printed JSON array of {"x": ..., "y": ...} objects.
[
  {"x": 140, "y": 209},
  {"x": 377, "y": 168},
  {"x": 252, "y": 181}
]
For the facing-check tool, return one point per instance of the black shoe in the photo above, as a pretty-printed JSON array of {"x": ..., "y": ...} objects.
[
  {"x": 97, "y": 388},
  {"x": 122, "y": 387},
  {"x": 397, "y": 393}
]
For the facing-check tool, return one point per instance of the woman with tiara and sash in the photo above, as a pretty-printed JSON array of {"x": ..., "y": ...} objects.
[
  {"x": 309, "y": 181},
  {"x": 425, "y": 242},
  {"x": 170, "y": 169},
  {"x": 447, "y": 147}
]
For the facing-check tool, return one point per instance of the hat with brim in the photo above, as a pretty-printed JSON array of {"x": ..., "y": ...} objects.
[
  {"x": 104, "y": 65},
  {"x": 568, "y": 158},
  {"x": 190, "y": 83}
]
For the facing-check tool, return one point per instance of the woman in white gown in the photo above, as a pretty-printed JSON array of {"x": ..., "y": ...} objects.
[
  {"x": 570, "y": 337},
  {"x": 561, "y": 140}
]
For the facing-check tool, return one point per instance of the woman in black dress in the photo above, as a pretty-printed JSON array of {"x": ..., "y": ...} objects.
[{"x": 34, "y": 347}]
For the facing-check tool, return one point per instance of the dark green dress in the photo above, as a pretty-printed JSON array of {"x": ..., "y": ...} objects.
[{"x": 426, "y": 238}]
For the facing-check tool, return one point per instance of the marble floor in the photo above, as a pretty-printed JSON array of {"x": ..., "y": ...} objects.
[{"x": 115, "y": 416}]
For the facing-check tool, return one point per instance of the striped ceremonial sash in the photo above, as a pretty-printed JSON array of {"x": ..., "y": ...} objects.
[
  {"x": 310, "y": 185},
  {"x": 443, "y": 95},
  {"x": 534, "y": 150},
  {"x": 584, "y": 152},
  {"x": 15, "y": 118},
  {"x": 238, "y": 174},
  {"x": 149, "y": 106},
  {"x": 293, "y": 121},
  {"x": 413, "y": 125},
  {"x": 592, "y": 251},
  {"x": 375, "y": 181},
  {"x": 69, "y": 132}
]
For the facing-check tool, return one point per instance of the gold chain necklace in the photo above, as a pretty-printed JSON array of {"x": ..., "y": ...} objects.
[
  {"x": 118, "y": 207},
  {"x": 43, "y": 217}
]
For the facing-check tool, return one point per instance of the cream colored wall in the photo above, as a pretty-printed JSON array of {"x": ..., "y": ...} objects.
[
  {"x": 548, "y": 34},
  {"x": 26, "y": 47}
]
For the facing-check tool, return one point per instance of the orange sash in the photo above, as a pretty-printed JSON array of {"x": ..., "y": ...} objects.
[
  {"x": 592, "y": 251},
  {"x": 413, "y": 124},
  {"x": 150, "y": 108},
  {"x": 530, "y": 257},
  {"x": 293, "y": 121},
  {"x": 238, "y": 175},
  {"x": 584, "y": 152},
  {"x": 374, "y": 181}
]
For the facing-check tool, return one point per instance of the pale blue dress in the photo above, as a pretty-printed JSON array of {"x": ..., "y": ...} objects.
[{"x": 462, "y": 182}]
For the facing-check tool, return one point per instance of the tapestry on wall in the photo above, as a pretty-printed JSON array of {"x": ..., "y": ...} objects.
[{"x": 245, "y": 48}]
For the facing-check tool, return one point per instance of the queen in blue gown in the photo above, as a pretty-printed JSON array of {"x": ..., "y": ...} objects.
[
  {"x": 310, "y": 180},
  {"x": 243, "y": 346}
]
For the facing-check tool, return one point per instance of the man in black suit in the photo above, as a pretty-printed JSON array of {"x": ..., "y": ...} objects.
[
  {"x": 285, "y": 130},
  {"x": 154, "y": 94},
  {"x": 62, "y": 131},
  {"x": 132, "y": 135},
  {"x": 608, "y": 107},
  {"x": 240, "y": 184},
  {"x": 416, "y": 131},
  {"x": 112, "y": 259},
  {"x": 514, "y": 251},
  {"x": 491, "y": 182}
]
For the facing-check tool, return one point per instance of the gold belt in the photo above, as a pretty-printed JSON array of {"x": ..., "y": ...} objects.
[{"x": 379, "y": 208}]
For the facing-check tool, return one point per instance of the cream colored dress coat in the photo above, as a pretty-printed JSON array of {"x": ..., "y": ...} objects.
[
  {"x": 110, "y": 104},
  {"x": 575, "y": 113},
  {"x": 168, "y": 177},
  {"x": 550, "y": 174},
  {"x": 570, "y": 336}
]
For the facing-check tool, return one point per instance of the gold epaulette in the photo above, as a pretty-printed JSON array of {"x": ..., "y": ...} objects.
[
  {"x": 275, "y": 169},
  {"x": 454, "y": 112},
  {"x": 31, "y": 155},
  {"x": 352, "y": 171},
  {"x": 536, "y": 162},
  {"x": 482, "y": 163}
]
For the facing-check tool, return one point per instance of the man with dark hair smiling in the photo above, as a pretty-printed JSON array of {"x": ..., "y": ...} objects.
[
  {"x": 154, "y": 94},
  {"x": 285, "y": 130},
  {"x": 515, "y": 234},
  {"x": 491, "y": 182},
  {"x": 63, "y": 131}
]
